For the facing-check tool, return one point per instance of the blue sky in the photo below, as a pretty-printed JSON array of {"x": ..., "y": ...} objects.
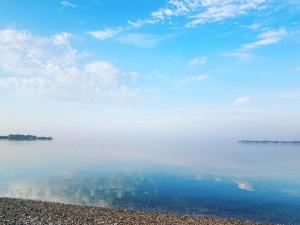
[{"x": 192, "y": 67}]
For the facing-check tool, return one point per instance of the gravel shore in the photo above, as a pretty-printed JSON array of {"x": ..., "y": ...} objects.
[{"x": 16, "y": 211}]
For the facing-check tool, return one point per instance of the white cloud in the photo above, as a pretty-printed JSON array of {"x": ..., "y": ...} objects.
[
  {"x": 105, "y": 34},
  {"x": 203, "y": 11},
  {"x": 42, "y": 66},
  {"x": 62, "y": 38},
  {"x": 198, "y": 61},
  {"x": 104, "y": 71},
  {"x": 218, "y": 10},
  {"x": 140, "y": 22},
  {"x": 67, "y": 4},
  {"x": 135, "y": 24},
  {"x": 195, "y": 12},
  {"x": 176, "y": 8},
  {"x": 245, "y": 186},
  {"x": 162, "y": 13},
  {"x": 198, "y": 12},
  {"x": 270, "y": 37},
  {"x": 267, "y": 38},
  {"x": 243, "y": 100}
]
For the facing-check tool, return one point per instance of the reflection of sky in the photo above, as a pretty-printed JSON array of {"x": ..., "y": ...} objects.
[
  {"x": 263, "y": 200},
  {"x": 252, "y": 182}
]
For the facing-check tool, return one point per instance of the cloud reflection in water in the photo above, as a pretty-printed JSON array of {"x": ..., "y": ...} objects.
[{"x": 221, "y": 196}]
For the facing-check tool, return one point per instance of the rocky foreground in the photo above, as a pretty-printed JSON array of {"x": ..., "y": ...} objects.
[{"x": 16, "y": 211}]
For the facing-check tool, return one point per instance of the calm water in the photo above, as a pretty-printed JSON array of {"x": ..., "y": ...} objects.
[{"x": 227, "y": 179}]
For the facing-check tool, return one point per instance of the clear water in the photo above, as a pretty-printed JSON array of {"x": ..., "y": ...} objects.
[{"x": 225, "y": 179}]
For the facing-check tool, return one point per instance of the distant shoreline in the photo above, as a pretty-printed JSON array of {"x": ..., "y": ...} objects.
[
  {"x": 25, "y": 137},
  {"x": 17, "y": 211},
  {"x": 267, "y": 142}
]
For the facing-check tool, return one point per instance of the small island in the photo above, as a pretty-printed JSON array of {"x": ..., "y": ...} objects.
[
  {"x": 267, "y": 142},
  {"x": 22, "y": 137}
]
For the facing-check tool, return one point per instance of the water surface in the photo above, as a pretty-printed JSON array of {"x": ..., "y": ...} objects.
[{"x": 226, "y": 179}]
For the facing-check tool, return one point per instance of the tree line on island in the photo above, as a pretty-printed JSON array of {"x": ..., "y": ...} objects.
[{"x": 22, "y": 137}]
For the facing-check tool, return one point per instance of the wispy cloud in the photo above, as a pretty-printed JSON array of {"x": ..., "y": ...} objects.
[
  {"x": 199, "y": 12},
  {"x": 198, "y": 61},
  {"x": 105, "y": 34},
  {"x": 200, "y": 77},
  {"x": 215, "y": 10},
  {"x": 238, "y": 53},
  {"x": 195, "y": 12},
  {"x": 270, "y": 37},
  {"x": 142, "y": 40},
  {"x": 243, "y": 100},
  {"x": 67, "y": 4},
  {"x": 267, "y": 38},
  {"x": 255, "y": 26},
  {"x": 140, "y": 22},
  {"x": 191, "y": 79}
]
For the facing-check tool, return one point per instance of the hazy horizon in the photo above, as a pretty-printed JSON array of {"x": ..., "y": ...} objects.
[{"x": 150, "y": 70}]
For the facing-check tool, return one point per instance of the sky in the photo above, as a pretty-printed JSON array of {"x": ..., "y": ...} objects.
[{"x": 155, "y": 70}]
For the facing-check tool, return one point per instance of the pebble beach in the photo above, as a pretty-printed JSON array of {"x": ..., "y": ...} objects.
[{"x": 19, "y": 212}]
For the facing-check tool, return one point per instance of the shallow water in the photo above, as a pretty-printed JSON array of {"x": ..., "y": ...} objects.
[{"x": 227, "y": 179}]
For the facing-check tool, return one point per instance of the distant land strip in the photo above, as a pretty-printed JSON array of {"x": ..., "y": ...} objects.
[
  {"x": 22, "y": 137},
  {"x": 267, "y": 142}
]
